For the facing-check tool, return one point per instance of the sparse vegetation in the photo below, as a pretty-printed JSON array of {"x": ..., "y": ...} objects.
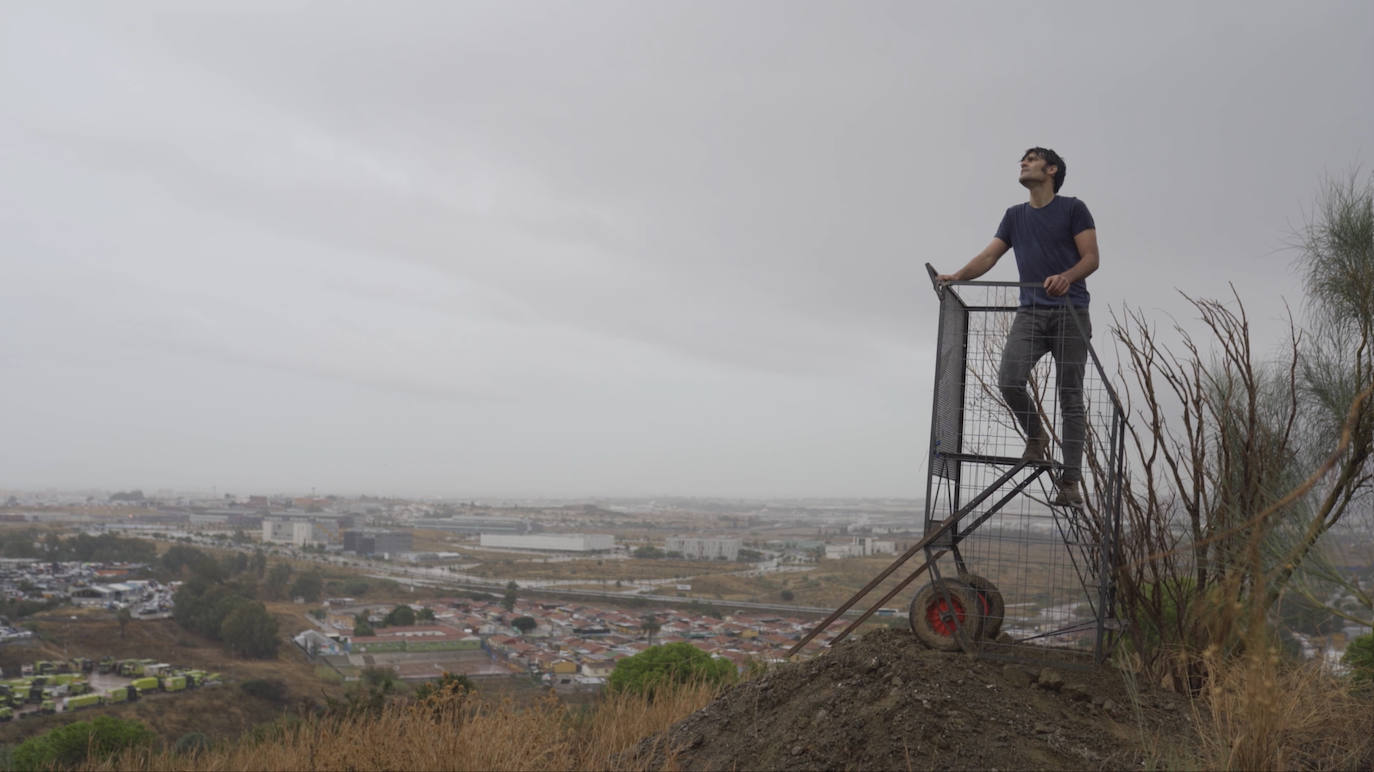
[{"x": 449, "y": 729}]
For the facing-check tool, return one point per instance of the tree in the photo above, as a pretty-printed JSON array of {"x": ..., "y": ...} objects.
[
  {"x": 524, "y": 624},
  {"x": 787, "y": 596},
  {"x": 650, "y": 626},
  {"x": 401, "y": 616},
  {"x": 188, "y": 562},
  {"x": 1243, "y": 465},
  {"x": 508, "y": 600},
  {"x": 202, "y": 607},
  {"x": 648, "y": 552},
  {"x": 234, "y": 563},
  {"x": 278, "y": 580},
  {"x": 124, "y": 618},
  {"x": 675, "y": 663},
  {"x": 425, "y": 614},
  {"x": 309, "y": 586},
  {"x": 362, "y": 626},
  {"x": 250, "y": 631}
]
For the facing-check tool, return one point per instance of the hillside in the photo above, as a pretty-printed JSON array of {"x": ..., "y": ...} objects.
[{"x": 885, "y": 702}]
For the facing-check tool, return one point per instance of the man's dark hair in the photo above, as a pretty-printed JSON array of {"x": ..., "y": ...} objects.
[{"x": 1050, "y": 158}]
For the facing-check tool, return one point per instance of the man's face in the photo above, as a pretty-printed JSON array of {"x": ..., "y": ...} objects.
[{"x": 1034, "y": 170}]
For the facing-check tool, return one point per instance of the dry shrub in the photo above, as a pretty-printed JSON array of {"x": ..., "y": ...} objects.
[
  {"x": 1261, "y": 712},
  {"x": 453, "y": 731}
]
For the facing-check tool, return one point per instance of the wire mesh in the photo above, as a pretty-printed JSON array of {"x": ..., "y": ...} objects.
[{"x": 1005, "y": 375}]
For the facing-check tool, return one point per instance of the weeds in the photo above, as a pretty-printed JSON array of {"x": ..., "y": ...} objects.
[
  {"x": 1261, "y": 712},
  {"x": 452, "y": 729}
]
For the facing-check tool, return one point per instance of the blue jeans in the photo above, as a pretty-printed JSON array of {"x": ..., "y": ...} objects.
[{"x": 1037, "y": 331}]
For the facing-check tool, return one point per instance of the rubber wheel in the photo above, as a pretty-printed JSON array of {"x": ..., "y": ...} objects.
[
  {"x": 945, "y": 616},
  {"x": 990, "y": 602}
]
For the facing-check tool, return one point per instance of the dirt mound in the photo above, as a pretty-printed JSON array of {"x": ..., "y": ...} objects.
[{"x": 885, "y": 702}]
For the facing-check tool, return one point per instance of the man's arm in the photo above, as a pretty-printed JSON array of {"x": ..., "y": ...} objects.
[
  {"x": 1087, "y": 263},
  {"x": 980, "y": 264}
]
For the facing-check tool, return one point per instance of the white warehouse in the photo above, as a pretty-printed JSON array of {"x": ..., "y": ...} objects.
[{"x": 555, "y": 542}]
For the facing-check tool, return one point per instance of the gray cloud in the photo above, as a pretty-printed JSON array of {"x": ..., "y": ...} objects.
[{"x": 608, "y": 248}]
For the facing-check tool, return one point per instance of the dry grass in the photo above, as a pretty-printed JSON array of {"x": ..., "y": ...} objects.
[
  {"x": 1260, "y": 712},
  {"x": 454, "y": 731}
]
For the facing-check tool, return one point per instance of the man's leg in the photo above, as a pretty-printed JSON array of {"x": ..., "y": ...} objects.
[
  {"x": 1070, "y": 360},
  {"x": 1025, "y": 345}
]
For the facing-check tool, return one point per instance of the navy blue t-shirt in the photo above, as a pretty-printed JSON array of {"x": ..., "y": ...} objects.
[{"x": 1043, "y": 241}]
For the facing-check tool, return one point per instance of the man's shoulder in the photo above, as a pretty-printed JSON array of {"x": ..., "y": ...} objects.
[{"x": 1073, "y": 202}]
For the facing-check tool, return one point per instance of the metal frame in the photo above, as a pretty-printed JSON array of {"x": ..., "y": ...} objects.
[{"x": 943, "y": 535}]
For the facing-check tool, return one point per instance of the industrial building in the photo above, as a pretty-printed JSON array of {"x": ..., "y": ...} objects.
[
  {"x": 370, "y": 541},
  {"x": 703, "y": 549},
  {"x": 552, "y": 542},
  {"x": 479, "y": 525}
]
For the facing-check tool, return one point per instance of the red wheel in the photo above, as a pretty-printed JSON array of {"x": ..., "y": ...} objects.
[
  {"x": 990, "y": 602},
  {"x": 946, "y": 615}
]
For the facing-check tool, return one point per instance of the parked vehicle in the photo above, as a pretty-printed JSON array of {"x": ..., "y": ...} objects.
[
  {"x": 84, "y": 701},
  {"x": 145, "y": 685}
]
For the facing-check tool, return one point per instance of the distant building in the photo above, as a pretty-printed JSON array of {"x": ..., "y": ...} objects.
[
  {"x": 371, "y": 541},
  {"x": 703, "y": 549},
  {"x": 317, "y": 643},
  {"x": 860, "y": 546},
  {"x": 559, "y": 542},
  {"x": 303, "y": 530},
  {"x": 479, "y": 525}
]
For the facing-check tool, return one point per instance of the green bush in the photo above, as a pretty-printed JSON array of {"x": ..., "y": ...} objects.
[
  {"x": 95, "y": 741},
  {"x": 448, "y": 683},
  {"x": 192, "y": 744},
  {"x": 269, "y": 689},
  {"x": 1359, "y": 656},
  {"x": 672, "y": 663}
]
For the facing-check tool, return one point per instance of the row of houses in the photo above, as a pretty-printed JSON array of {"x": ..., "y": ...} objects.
[
  {"x": 582, "y": 644},
  {"x": 568, "y": 644}
]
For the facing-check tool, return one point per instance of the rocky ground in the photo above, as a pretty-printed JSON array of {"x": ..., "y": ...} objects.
[{"x": 886, "y": 702}]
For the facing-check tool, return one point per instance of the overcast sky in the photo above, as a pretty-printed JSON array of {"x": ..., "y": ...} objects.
[{"x": 591, "y": 248}]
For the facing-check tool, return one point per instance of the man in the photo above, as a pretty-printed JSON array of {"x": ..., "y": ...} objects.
[{"x": 1056, "y": 248}]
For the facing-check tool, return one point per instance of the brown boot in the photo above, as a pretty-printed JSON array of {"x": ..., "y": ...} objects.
[
  {"x": 1037, "y": 448},
  {"x": 1070, "y": 494}
]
